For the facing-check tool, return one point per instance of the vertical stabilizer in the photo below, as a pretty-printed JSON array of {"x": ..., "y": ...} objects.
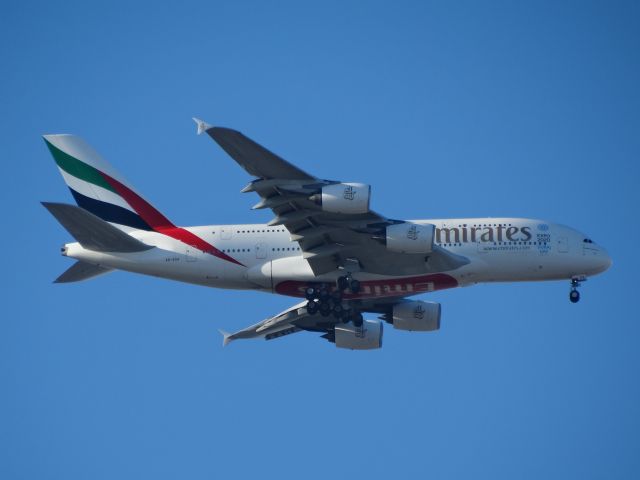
[{"x": 98, "y": 188}]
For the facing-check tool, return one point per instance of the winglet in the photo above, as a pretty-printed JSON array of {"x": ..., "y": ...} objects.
[
  {"x": 226, "y": 337},
  {"x": 202, "y": 125}
]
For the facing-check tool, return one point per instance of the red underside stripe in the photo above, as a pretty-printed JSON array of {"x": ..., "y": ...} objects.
[
  {"x": 162, "y": 224},
  {"x": 391, "y": 287}
]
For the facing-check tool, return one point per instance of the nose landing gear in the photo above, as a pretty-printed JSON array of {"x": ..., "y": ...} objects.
[{"x": 574, "y": 294}]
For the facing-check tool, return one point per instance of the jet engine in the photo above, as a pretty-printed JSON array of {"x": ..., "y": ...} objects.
[
  {"x": 416, "y": 315},
  {"x": 408, "y": 237},
  {"x": 366, "y": 337},
  {"x": 344, "y": 198}
]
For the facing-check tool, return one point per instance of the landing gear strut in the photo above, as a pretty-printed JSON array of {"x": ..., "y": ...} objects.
[
  {"x": 357, "y": 319},
  {"x": 574, "y": 294}
]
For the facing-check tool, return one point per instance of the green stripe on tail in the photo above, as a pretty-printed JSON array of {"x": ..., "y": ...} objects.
[{"x": 78, "y": 169}]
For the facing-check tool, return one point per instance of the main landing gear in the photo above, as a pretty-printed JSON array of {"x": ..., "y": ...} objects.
[
  {"x": 323, "y": 300},
  {"x": 574, "y": 294}
]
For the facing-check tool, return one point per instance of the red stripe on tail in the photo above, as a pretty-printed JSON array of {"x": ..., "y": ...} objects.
[{"x": 162, "y": 224}]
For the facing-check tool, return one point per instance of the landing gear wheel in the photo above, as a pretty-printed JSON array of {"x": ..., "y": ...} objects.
[
  {"x": 311, "y": 293},
  {"x": 337, "y": 310},
  {"x": 574, "y": 296},
  {"x": 343, "y": 283},
  {"x": 325, "y": 309},
  {"x": 336, "y": 296},
  {"x": 312, "y": 308},
  {"x": 354, "y": 285},
  {"x": 323, "y": 294}
]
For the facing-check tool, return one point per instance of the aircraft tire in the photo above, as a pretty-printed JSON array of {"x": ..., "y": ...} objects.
[
  {"x": 343, "y": 283},
  {"x": 325, "y": 309},
  {"x": 312, "y": 308},
  {"x": 311, "y": 293},
  {"x": 574, "y": 296},
  {"x": 323, "y": 294}
]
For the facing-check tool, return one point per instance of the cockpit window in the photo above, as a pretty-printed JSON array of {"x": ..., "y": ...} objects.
[{"x": 587, "y": 240}]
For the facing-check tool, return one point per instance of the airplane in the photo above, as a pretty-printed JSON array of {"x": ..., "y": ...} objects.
[{"x": 324, "y": 246}]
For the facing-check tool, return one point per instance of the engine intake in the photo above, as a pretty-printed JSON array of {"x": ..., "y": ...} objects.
[
  {"x": 408, "y": 237},
  {"x": 417, "y": 316},
  {"x": 366, "y": 337},
  {"x": 344, "y": 198}
]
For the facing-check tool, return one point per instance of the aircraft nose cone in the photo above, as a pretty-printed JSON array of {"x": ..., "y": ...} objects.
[
  {"x": 606, "y": 260},
  {"x": 601, "y": 261},
  {"x": 595, "y": 260}
]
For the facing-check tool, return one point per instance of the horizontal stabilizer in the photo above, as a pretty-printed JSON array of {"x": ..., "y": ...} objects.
[
  {"x": 92, "y": 232},
  {"x": 81, "y": 271},
  {"x": 226, "y": 337}
]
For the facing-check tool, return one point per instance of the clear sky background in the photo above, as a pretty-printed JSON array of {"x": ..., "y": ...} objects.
[{"x": 448, "y": 109}]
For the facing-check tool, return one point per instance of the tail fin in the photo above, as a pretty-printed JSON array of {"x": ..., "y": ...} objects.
[
  {"x": 92, "y": 232},
  {"x": 98, "y": 188}
]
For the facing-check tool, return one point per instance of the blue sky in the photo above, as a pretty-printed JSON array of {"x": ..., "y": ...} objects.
[{"x": 447, "y": 109}]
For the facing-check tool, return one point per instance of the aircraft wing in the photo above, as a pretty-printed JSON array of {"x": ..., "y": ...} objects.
[
  {"x": 273, "y": 327},
  {"x": 254, "y": 158},
  {"x": 328, "y": 240},
  {"x": 296, "y": 319}
]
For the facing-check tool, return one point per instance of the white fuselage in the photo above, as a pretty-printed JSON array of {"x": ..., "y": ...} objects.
[{"x": 499, "y": 250}]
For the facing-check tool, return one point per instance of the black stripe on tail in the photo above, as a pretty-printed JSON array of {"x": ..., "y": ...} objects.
[{"x": 109, "y": 212}]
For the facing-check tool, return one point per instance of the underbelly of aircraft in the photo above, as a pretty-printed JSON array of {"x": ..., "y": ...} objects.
[{"x": 401, "y": 287}]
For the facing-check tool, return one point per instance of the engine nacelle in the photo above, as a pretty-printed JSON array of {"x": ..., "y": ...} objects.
[
  {"x": 410, "y": 237},
  {"x": 344, "y": 198},
  {"x": 366, "y": 337},
  {"x": 416, "y": 315}
]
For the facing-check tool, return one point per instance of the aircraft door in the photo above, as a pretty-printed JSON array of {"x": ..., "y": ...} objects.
[
  {"x": 261, "y": 250},
  {"x": 191, "y": 253},
  {"x": 226, "y": 232},
  {"x": 563, "y": 245}
]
